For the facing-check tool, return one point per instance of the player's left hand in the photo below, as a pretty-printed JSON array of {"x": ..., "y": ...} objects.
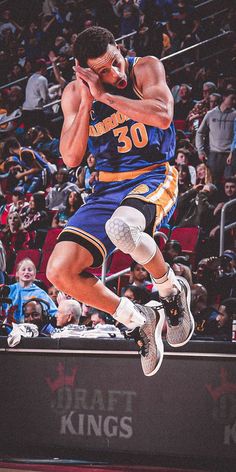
[{"x": 92, "y": 80}]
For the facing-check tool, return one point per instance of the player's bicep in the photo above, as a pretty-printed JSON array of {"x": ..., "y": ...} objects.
[
  {"x": 70, "y": 105},
  {"x": 153, "y": 82}
]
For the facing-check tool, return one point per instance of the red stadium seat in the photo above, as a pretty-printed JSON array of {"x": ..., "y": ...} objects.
[
  {"x": 188, "y": 238},
  {"x": 33, "y": 254},
  {"x": 161, "y": 241},
  {"x": 42, "y": 276},
  {"x": 51, "y": 238},
  {"x": 44, "y": 261}
]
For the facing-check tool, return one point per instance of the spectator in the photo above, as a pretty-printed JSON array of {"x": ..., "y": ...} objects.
[
  {"x": 203, "y": 174},
  {"x": 36, "y": 216},
  {"x": 183, "y": 25},
  {"x": 36, "y": 311},
  {"x": 183, "y": 156},
  {"x": 98, "y": 317},
  {"x": 214, "y": 100},
  {"x": 204, "y": 314},
  {"x": 227, "y": 311},
  {"x": 129, "y": 14},
  {"x": 137, "y": 294},
  {"x": 86, "y": 176},
  {"x": 18, "y": 204},
  {"x": 53, "y": 294},
  {"x": 42, "y": 141},
  {"x": 184, "y": 182},
  {"x": 56, "y": 197},
  {"x": 2, "y": 263},
  {"x": 62, "y": 68},
  {"x": 14, "y": 237},
  {"x": 15, "y": 73},
  {"x": 226, "y": 279},
  {"x": 35, "y": 171},
  {"x": 68, "y": 312},
  {"x": 185, "y": 102},
  {"x": 231, "y": 160},
  {"x": 217, "y": 126},
  {"x": 199, "y": 110},
  {"x": 196, "y": 207},
  {"x": 7, "y": 22},
  {"x": 139, "y": 276},
  {"x": 178, "y": 262},
  {"x": 36, "y": 96},
  {"x": 229, "y": 194},
  {"x": 25, "y": 289},
  {"x": 73, "y": 202}
]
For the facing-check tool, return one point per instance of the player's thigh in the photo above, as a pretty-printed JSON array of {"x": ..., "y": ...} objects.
[{"x": 69, "y": 257}]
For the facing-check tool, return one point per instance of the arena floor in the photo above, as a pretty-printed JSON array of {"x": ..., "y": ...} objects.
[{"x": 29, "y": 467}]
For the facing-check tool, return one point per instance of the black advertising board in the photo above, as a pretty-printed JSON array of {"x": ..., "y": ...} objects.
[{"x": 94, "y": 399}]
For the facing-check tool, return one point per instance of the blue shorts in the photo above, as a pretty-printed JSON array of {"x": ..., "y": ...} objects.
[{"x": 87, "y": 226}]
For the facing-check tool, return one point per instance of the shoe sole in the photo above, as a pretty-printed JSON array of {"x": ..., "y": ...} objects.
[
  {"x": 188, "y": 291},
  {"x": 158, "y": 331}
]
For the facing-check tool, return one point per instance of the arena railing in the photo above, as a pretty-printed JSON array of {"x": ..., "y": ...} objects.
[
  {"x": 224, "y": 228},
  {"x": 122, "y": 39},
  {"x": 116, "y": 275},
  {"x": 163, "y": 59}
]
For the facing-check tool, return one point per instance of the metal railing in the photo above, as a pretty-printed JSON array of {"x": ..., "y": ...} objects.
[
  {"x": 163, "y": 59},
  {"x": 115, "y": 276},
  {"x": 224, "y": 228},
  {"x": 121, "y": 39}
]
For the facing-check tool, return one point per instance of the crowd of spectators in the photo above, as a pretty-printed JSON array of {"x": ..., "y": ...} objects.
[{"x": 38, "y": 193}]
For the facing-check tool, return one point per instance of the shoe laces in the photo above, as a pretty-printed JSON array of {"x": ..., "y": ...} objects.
[
  {"x": 172, "y": 310},
  {"x": 140, "y": 338}
]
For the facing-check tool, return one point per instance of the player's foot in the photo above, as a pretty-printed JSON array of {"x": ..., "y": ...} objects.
[
  {"x": 148, "y": 337},
  {"x": 180, "y": 322}
]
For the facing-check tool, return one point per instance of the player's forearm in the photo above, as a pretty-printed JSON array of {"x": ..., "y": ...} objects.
[
  {"x": 149, "y": 111},
  {"x": 73, "y": 142}
]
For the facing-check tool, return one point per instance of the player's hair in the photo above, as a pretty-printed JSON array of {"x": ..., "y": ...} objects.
[{"x": 92, "y": 43}]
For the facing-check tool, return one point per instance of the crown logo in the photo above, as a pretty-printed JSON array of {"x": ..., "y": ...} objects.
[
  {"x": 62, "y": 379},
  {"x": 224, "y": 387}
]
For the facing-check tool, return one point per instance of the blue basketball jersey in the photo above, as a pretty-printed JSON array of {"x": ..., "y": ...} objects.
[{"x": 121, "y": 144}]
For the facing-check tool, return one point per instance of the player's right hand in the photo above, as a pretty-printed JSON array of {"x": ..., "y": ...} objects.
[{"x": 83, "y": 88}]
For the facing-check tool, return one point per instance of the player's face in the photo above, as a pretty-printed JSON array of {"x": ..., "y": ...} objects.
[{"x": 111, "y": 67}]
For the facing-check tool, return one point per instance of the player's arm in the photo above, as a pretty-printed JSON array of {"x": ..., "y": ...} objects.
[
  {"x": 76, "y": 105},
  {"x": 156, "y": 107}
]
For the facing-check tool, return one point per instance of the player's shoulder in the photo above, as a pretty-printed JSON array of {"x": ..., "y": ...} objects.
[
  {"x": 148, "y": 63},
  {"x": 148, "y": 66},
  {"x": 70, "y": 88},
  {"x": 70, "y": 94}
]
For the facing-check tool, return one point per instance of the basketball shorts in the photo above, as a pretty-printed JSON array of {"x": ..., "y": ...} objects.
[{"x": 87, "y": 226}]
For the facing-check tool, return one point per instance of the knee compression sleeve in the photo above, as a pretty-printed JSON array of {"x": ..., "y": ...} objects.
[{"x": 125, "y": 229}]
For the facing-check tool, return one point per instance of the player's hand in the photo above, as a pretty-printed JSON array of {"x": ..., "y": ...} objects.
[
  {"x": 83, "y": 88},
  {"x": 91, "y": 79}
]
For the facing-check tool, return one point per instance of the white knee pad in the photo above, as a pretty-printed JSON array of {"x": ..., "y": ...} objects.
[{"x": 125, "y": 230}]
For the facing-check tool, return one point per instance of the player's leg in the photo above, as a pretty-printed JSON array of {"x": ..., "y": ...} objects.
[
  {"x": 126, "y": 229},
  {"x": 76, "y": 251}
]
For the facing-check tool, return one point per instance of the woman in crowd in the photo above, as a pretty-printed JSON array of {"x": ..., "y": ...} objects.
[
  {"x": 86, "y": 176},
  {"x": 73, "y": 202},
  {"x": 36, "y": 216},
  {"x": 184, "y": 178},
  {"x": 203, "y": 174},
  {"x": 14, "y": 237}
]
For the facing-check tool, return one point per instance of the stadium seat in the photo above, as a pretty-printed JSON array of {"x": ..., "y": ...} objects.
[
  {"x": 51, "y": 238},
  {"x": 161, "y": 241},
  {"x": 188, "y": 238},
  {"x": 33, "y": 254}
]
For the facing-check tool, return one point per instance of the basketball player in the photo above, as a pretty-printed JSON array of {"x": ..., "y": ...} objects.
[{"x": 122, "y": 110}]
